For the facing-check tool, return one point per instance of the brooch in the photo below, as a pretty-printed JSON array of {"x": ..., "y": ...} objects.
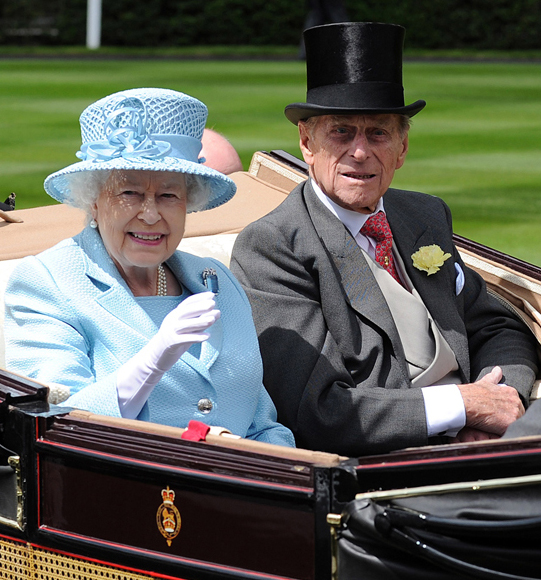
[{"x": 210, "y": 280}]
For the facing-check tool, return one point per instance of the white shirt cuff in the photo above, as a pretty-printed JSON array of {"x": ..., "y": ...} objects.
[{"x": 444, "y": 408}]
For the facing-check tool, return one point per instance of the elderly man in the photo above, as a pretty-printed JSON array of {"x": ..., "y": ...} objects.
[{"x": 374, "y": 334}]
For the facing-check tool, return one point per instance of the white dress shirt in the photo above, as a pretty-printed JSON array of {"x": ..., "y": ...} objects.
[{"x": 444, "y": 406}]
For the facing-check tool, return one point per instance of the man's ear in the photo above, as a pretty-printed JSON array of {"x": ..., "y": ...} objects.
[
  {"x": 404, "y": 151},
  {"x": 306, "y": 143}
]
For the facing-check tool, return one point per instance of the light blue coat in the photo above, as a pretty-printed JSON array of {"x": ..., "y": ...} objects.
[{"x": 71, "y": 320}]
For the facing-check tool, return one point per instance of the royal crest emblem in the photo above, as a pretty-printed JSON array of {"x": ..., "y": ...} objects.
[{"x": 168, "y": 517}]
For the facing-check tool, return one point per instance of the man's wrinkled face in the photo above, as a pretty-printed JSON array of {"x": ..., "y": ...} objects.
[{"x": 353, "y": 158}]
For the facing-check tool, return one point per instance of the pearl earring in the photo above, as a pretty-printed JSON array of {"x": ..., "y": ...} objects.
[{"x": 93, "y": 224}]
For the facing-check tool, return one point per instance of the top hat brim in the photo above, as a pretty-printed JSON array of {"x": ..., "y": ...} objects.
[{"x": 301, "y": 111}]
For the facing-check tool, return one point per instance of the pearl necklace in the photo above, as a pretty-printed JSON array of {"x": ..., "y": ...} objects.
[{"x": 161, "y": 286}]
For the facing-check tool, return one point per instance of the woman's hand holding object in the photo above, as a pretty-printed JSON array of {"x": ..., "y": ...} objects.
[
  {"x": 182, "y": 327},
  {"x": 185, "y": 325}
]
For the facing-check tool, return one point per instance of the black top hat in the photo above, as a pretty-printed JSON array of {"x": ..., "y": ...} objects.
[{"x": 353, "y": 68}]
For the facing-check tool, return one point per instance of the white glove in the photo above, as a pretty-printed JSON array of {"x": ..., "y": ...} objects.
[{"x": 182, "y": 327}]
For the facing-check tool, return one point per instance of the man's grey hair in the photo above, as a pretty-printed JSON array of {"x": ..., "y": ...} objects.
[
  {"x": 404, "y": 124},
  {"x": 86, "y": 187}
]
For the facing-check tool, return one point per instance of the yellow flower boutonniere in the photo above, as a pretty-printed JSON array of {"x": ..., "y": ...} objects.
[{"x": 429, "y": 259}]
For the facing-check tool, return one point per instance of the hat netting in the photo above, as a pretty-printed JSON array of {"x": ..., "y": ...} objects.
[{"x": 167, "y": 113}]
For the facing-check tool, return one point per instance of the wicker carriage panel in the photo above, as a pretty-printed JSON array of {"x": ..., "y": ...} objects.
[{"x": 25, "y": 562}]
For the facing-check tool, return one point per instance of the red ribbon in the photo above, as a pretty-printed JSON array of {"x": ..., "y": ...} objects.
[{"x": 196, "y": 431}]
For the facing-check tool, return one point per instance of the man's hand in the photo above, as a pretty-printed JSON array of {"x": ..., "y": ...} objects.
[
  {"x": 490, "y": 407},
  {"x": 468, "y": 434}
]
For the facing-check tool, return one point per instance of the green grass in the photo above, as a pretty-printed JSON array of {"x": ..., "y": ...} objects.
[
  {"x": 477, "y": 144},
  {"x": 41, "y": 100}
]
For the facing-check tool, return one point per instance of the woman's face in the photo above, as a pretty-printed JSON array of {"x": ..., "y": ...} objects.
[{"x": 141, "y": 217}]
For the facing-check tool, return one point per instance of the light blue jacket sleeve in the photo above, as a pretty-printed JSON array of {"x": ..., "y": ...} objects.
[{"x": 45, "y": 340}]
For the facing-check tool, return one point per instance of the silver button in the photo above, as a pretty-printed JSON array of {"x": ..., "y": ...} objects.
[{"x": 205, "y": 406}]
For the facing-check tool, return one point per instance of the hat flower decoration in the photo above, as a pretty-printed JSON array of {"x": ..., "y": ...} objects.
[
  {"x": 128, "y": 141},
  {"x": 429, "y": 259},
  {"x": 147, "y": 129}
]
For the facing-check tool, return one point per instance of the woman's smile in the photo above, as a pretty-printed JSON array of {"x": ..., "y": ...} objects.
[{"x": 147, "y": 239}]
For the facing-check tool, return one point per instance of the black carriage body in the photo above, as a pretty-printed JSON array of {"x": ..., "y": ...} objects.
[
  {"x": 95, "y": 493},
  {"x": 87, "y": 497}
]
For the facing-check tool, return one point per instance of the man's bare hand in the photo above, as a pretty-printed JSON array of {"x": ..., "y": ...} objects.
[
  {"x": 468, "y": 434},
  {"x": 490, "y": 406}
]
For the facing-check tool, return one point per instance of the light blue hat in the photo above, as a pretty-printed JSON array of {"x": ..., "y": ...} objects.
[{"x": 147, "y": 130}]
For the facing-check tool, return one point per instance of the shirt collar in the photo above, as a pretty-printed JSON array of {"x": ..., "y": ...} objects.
[{"x": 353, "y": 220}]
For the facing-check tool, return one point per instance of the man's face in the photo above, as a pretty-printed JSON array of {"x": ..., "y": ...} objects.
[{"x": 353, "y": 158}]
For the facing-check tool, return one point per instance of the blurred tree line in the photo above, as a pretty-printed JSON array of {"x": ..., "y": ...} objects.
[{"x": 479, "y": 24}]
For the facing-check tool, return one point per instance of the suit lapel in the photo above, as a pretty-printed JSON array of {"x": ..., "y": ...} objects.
[
  {"x": 110, "y": 290},
  {"x": 356, "y": 278},
  {"x": 437, "y": 290}
]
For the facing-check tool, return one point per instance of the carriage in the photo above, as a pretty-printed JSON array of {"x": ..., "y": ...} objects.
[{"x": 86, "y": 496}]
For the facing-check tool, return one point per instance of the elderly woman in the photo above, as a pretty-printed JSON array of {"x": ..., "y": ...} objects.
[{"x": 116, "y": 316}]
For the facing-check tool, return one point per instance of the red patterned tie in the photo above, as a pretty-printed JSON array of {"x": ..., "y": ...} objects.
[{"x": 377, "y": 227}]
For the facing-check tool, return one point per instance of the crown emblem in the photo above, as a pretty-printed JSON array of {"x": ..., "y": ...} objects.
[
  {"x": 168, "y": 496},
  {"x": 168, "y": 517}
]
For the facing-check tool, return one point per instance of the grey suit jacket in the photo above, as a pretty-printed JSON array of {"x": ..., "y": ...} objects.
[{"x": 333, "y": 361}]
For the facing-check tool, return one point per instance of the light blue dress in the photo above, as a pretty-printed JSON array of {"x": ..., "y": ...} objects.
[{"x": 71, "y": 320}]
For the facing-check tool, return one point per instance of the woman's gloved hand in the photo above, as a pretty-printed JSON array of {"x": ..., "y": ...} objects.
[
  {"x": 182, "y": 327},
  {"x": 185, "y": 325}
]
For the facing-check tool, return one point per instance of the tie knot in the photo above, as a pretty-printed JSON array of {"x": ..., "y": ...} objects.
[{"x": 377, "y": 227}]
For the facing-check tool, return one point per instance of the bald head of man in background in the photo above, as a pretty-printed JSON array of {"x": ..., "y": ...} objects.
[{"x": 219, "y": 153}]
